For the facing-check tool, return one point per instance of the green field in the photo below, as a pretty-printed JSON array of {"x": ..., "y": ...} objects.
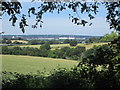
[
  {"x": 27, "y": 64},
  {"x": 57, "y": 46},
  {"x": 22, "y": 41}
]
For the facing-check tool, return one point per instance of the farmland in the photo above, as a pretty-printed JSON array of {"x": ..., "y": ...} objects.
[
  {"x": 27, "y": 64},
  {"x": 57, "y": 46},
  {"x": 21, "y": 41}
]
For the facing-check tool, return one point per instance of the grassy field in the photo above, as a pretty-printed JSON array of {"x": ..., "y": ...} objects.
[
  {"x": 27, "y": 64},
  {"x": 91, "y": 45},
  {"x": 22, "y": 41},
  {"x": 57, "y": 46}
]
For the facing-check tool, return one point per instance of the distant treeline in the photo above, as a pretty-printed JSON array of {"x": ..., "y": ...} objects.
[{"x": 106, "y": 38}]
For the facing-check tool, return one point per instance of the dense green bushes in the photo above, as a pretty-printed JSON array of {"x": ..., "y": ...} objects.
[
  {"x": 99, "y": 55},
  {"x": 23, "y": 81},
  {"x": 109, "y": 37},
  {"x": 45, "y": 51},
  {"x": 85, "y": 76}
]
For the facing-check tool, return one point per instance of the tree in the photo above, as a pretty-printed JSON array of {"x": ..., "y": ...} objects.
[
  {"x": 109, "y": 37},
  {"x": 45, "y": 46},
  {"x": 34, "y": 42},
  {"x": 16, "y": 42},
  {"x": 5, "y": 50},
  {"x": 93, "y": 40},
  {"x": 8, "y": 42},
  {"x": 99, "y": 55},
  {"x": 4, "y": 40},
  {"x": 56, "y": 53},
  {"x": 73, "y": 43},
  {"x": 66, "y": 41}
]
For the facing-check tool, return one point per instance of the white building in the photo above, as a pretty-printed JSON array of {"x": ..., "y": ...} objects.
[{"x": 66, "y": 37}]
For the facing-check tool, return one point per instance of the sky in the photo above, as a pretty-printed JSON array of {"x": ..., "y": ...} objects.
[{"x": 58, "y": 24}]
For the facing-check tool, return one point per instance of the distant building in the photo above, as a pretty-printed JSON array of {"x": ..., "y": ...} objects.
[
  {"x": 66, "y": 37},
  {"x": 13, "y": 37}
]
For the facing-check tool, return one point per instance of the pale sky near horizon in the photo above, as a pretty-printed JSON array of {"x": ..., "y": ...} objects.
[{"x": 58, "y": 24}]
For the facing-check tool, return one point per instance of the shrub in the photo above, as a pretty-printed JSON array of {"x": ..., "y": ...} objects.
[
  {"x": 86, "y": 76},
  {"x": 98, "y": 55},
  {"x": 45, "y": 46},
  {"x": 23, "y": 81}
]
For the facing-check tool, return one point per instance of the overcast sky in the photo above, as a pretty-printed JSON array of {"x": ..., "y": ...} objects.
[{"x": 58, "y": 24}]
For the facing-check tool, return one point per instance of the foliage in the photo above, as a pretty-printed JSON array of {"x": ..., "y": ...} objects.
[
  {"x": 45, "y": 46},
  {"x": 16, "y": 42},
  {"x": 34, "y": 42},
  {"x": 66, "y": 41},
  {"x": 13, "y": 42},
  {"x": 45, "y": 51},
  {"x": 24, "y": 81},
  {"x": 6, "y": 50},
  {"x": 4, "y": 41},
  {"x": 86, "y": 76},
  {"x": 73, "y": 43},
  {"x": 109, "y": 37},
  {"x": 99, "y": 55},
  {"x": 13, "y": 9},
  {"x": 93, "y": 40},
  {"x": 56, "y": 53}
]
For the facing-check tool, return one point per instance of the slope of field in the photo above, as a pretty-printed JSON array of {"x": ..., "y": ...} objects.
[
  {"x": 88, "y": 46},
  {"x": 27, "y": 64}
]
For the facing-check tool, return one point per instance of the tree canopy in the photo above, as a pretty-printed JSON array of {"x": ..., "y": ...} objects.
[
  {"x": 14, "y": 7},
  {"x": 109, "y": 37}
]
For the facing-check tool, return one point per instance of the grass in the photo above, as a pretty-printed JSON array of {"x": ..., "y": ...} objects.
[
  {"x": 27, "y": 64},
  {"x": 91, "y": 45},
  {"x": 58, "y": 46}
]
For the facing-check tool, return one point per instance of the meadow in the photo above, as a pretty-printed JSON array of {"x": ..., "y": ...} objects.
[
  {"x": 21, "y": 41},
  {"x": 27, "y": 64}
]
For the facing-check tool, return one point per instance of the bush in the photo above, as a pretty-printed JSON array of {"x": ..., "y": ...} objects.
[
  {"x": 23, "y": 81},
  {"x": 86, "y": 76},
  {"x": 99, "y": 55},
  {"x": 45, "y": 46}
]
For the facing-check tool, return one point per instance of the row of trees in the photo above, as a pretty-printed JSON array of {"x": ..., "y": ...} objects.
[
  {"x": 98, "y": 55},
  {"x": 46, "y": 51},
  {"x": 37, "y": 42},
  {"x": 9, "y": 41}
]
